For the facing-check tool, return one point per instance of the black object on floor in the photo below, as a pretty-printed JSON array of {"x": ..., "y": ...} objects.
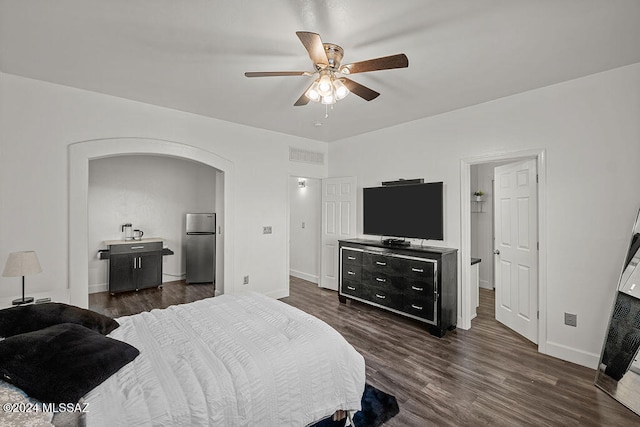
[{"x": 378, "y": 407}]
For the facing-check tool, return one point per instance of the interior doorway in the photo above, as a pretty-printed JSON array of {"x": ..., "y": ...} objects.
[
  {"x": 504, "y": 239},
  {"x": 304, "y": 228},
  {"x": 81, "y": 153},
  {"x": 482, "y": 222},
  {"x": 468, "y": 289},
  {"x": 154, "y": 193}
]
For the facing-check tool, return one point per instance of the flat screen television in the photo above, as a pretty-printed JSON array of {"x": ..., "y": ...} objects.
[{"x": 410, "y": 211}]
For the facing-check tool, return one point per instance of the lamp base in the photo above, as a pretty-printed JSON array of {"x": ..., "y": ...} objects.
[{"x": 23, "y": 300}]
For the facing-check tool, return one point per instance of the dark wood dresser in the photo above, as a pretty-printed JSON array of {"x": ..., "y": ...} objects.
[{"x": 419, "y": 282}]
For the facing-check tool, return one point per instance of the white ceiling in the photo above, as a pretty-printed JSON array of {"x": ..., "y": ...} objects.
[{"x": 191, "y": 55}]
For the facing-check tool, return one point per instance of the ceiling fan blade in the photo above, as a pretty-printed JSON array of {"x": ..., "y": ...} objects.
[
  {"x": 314, "y": 46},
  {"x": 303, "y": 100},
  {"x": 276, "y": 73},
  {"x": 360, "y": 90},
  {"x": 385, "y": 63}
]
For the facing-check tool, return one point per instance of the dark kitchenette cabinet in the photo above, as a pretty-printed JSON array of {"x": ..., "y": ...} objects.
[{"x": 135, "y": 266}]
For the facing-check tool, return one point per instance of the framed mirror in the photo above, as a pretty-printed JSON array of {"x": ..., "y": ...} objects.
[{"x": 618, "y": 373}]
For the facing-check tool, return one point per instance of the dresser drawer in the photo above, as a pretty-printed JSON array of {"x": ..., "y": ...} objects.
[
  {"x": 382, "y": 281},
  {"x": 375, "y": 262},
  {"x": 135, "y": 247},
  {"x": 424, "y": 309},
  {"x": 421, "y": 270},
  {"x": 351, "y": 273},
  {"x": 387, "y": 297},
  {"x": 353, "y": 289},
  {"x": 417, "y": 289},
  {"x": 351, "y": 257}
]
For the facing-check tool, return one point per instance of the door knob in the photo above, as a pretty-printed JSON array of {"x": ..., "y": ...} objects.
[{"x": 496, "y": 251}]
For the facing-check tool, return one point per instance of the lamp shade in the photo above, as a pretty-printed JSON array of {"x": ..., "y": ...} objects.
[{"x": 22, "y": 264}]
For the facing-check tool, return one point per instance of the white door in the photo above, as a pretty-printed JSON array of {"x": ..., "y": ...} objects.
[
  {"x": 516, "y": 247},
  {"x": 338, "y": 222}
]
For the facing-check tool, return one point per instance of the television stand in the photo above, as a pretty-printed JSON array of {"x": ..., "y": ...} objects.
[
  {"x": 419, "y": 282},
  {"x": 396, "y": 242}
]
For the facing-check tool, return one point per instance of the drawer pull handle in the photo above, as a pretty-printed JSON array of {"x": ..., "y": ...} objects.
[
  {"x": 351, "y": 288},
  {"x": 380, "y": 296},
  {"x": 381, "y": 280},
  {"x": 137, "y": 247},
  {"x": 381, "y": 263},
  {"x": 351, "y": 257},
  {"x": 417, "y": 270},
  {"x": 416, "y": 288},
  {"x": 351, "y": 272},
  {"x": 417, "y": 307}
]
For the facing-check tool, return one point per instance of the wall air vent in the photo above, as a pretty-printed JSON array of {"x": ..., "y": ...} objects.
[{"x": 306, "y": 156}]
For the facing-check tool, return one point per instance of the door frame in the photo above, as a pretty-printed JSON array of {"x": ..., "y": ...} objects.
[
  {"x": 465, "y": 311},
  {"x": 308, "y": 175},
  {"x": 288, "y": 218}
]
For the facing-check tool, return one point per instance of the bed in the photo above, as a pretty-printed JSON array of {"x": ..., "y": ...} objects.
[{"x": 232, "y": 360}]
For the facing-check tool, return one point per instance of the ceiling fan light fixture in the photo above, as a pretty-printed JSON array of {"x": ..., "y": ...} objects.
[
  {"x": 324, "y": 84},
  {"x": 341, "y": 90},
  {"x": 328, "y": 99},
  {"x": 312, "y": 93}
]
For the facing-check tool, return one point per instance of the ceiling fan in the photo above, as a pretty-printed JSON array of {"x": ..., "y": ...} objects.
[{"x": 331, "y": 85}]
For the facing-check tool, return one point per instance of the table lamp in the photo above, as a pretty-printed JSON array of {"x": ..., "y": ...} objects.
[{"x": 22, "y": 264}]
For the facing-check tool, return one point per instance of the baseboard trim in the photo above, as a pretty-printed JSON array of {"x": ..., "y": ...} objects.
[
  {"x": 166, "y": 278},
  {"x": 100, "y": 287},
  {"x": 573, "y": 355},
  {"x": 485, "y": 284},
  {"x": 304, "y": 276},
  {"x": 277, "y": 294}
]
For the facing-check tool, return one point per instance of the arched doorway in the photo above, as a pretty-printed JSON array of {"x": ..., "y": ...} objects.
[{"x": 81, "y": 153}]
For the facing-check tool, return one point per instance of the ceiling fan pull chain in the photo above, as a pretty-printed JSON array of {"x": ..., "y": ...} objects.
[{"x": 326, "y": 111}]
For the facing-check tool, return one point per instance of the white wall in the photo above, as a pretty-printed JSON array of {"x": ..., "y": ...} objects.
[
  {"x": 153, "y": 193},
  {"x": 305, "y": 242},
  {"x": 39, "y": 120},
  {"x": 591, "y": 133}
]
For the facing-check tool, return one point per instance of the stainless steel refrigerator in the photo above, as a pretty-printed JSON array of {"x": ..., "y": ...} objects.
[{"x": 200, "y": 247}]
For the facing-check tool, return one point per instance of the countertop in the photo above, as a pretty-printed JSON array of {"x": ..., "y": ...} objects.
[{"x": 131, "y": 242}]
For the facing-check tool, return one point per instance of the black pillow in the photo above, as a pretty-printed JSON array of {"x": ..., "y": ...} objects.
[
  {"x": 62, "y": 363},
  {"x": 27, "y": 318}
]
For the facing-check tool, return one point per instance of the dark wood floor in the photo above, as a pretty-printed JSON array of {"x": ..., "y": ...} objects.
[
  {"x": 485, "y": 376},
  {"x": 127, "y": 303}
]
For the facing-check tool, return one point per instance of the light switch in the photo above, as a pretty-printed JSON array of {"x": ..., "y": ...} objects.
[
  {"x": 303, "y": 224},
  {"x": 267, "y": 229}
]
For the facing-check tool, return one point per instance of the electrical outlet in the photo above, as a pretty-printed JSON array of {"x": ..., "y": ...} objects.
[
  {"x": 570, "y": 319},
  {"x": 245, "y": 281},
  {"x": 267, "y": 229},
  {"x": 303, "y": 224}
]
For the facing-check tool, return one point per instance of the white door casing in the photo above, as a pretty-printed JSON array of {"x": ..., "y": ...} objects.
[
  {"x": 339, "y": 197},
  {"x": 516, "y": 247}
]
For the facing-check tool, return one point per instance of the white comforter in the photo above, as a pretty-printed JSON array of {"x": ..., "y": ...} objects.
[{"x": 233, "y": 360}]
